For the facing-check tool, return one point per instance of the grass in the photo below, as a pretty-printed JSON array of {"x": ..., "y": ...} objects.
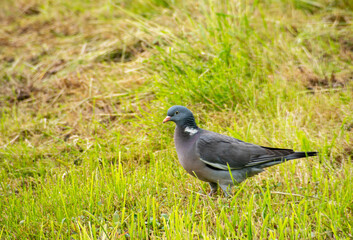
[{"x": 86, "y": 84}]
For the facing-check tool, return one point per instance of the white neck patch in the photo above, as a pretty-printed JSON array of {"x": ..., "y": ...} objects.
[{"x": 190, "y": 130}]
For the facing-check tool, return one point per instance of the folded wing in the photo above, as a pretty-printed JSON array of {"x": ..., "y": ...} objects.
[{"x": 223, "y": 152}]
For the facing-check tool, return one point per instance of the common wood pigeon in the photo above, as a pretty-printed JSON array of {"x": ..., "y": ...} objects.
[{"x": 219, "y": 159}]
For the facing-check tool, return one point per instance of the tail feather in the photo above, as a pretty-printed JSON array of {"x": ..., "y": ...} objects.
[
  {"x": 291, "y": 156},
  {"x": 296, "y": 155}
]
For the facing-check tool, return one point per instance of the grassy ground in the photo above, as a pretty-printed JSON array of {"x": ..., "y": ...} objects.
[{"x": 86, "y": 84}]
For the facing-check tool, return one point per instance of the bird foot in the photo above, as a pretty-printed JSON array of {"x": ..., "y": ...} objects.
[
  {"x": 226, "y": 189},
  {"x": 212, "y": 193},
  {"x": 214, "y": 187}
]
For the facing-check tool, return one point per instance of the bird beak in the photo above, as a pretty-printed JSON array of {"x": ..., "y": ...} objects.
[{"x": 166, "y": 119}]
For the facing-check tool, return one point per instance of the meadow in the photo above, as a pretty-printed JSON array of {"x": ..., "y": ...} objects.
[{"x": 86, "y": 84}]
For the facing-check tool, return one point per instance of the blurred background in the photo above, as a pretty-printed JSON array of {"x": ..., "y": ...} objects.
[{"x": 86, "y": 84}]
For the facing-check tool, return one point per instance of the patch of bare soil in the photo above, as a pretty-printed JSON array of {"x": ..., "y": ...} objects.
[
  {"x": 54, "y": 68},
  {"x": 15, "y": 88},
  {"x": 31, "y": 10},
  {"x": 125, "y": 54},
  {"x": 11, "y": 10},
  {"x": 347, "y": 152},
  {"x": 23, "y": 93},
  {"x": 313, "y": 81},
  {"x": 339, "y": 18}
]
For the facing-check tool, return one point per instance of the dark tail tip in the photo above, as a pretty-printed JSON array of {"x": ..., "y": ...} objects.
[
  {"x": 291, "y": 156},
  {"x": 309, "y": 154},
  {"x": 300, "y": 155}
]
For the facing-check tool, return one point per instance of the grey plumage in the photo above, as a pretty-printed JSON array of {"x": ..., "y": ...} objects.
[{"x": 219, "y": 159}]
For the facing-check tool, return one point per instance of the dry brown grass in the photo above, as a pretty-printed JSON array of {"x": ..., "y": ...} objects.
[{"x": 85, "y": 85}]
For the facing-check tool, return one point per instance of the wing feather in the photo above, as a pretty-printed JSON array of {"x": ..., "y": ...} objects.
[{"x": 223, "y": 152}]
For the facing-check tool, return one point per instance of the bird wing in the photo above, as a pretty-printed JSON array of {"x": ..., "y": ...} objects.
[{"x": 223, "y": 152}]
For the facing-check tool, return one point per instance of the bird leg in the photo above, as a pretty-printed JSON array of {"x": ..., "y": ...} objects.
[
  {"x": 226, "y": 189},
  {"x": 214, "y": 187}
]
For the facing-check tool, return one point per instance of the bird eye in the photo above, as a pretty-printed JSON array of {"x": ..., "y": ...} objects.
[{"x": 176, "y": 113}]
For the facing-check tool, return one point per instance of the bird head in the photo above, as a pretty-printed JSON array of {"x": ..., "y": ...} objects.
[{"x": 181, "y": 116}]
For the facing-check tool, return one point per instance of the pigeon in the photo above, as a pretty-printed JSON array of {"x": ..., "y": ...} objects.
[{"x": 219, "y": 159}]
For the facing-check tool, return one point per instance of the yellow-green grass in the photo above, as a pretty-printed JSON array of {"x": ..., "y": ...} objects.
[{"x": 86, "y": 85}]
